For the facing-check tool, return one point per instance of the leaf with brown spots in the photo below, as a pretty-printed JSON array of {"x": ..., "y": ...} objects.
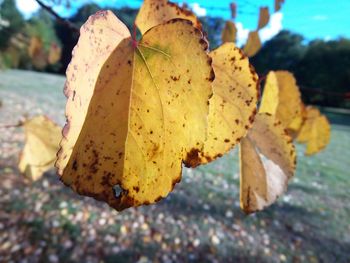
[
  {"x": 233, "y": 105},
  {"x": 264, "y": 17},
  {"x": 42, "y": 142},
  {"x": 156, "y": 12},
  {"x": 282, "y": 98},
  {"x": 229, "y": 34},
  {"x": 267, "y": 162},
  {"x": 315, "y": 131},
  {"x": 253, "y": 45},
  {"x": 135, "y": 111}
]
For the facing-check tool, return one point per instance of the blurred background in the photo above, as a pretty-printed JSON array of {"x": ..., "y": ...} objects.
[{"x": 201, "y": 220}]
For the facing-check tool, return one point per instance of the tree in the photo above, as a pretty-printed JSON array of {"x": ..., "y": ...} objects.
[{"x": 9, "y": 13}]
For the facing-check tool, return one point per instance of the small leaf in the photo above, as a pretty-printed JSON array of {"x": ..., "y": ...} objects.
[
  {"x": 233, "y": 8},
  {"x": 229, "y": 33},
  {"x": 278, "y": 5},
  {"x": 282, "y": 98},
  {"x": 156, "y": 12},
  {"x": 253, "y": 44},
  {"x": 264, "y": 17},
  {"x": 42, "y": 142},
  {"x": 315, "y": 131},
  {"x": 267, "y": 162},
  {"x": 141, "y": 112}
]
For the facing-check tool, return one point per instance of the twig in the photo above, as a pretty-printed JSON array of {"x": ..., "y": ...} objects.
[
  {"x": 7, "y": 126},
  {"x": 58, "y": 17}
]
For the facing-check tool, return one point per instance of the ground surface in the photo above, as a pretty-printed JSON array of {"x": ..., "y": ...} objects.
[{"x": 199, "y": 221}]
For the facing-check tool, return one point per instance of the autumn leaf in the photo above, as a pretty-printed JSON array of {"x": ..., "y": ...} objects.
[
  {"x": 282, "y": 98},
  {"x": 54, "y": 54},
  {"x": 278, "y": 5},
  {"x": 229, "y": 34},
  {"x": 41, "y": 145},
  {"x": 253, "y": 44},
  {"x": 156, "y": 12},
  {"x": 264, "y": 17},
  {"x": 233, "y": 105},
  {"x": 267, "y": 162},
  {"x": 135, "y": 111},
  {"x": 315, "y": 131}
]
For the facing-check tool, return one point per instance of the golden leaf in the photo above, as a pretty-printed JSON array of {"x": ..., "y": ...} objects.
[
  {"x": 264, "y": 17},
  {"x": 281, "y": 98},
  {"x": 253, "y": 44},
  {"x": 315, "y": 131},
  {"x": 134, "y": 113},
  {"x": 267, "y": 162},
  {"x": 229, "y": 33},
  {"x": 233, "y": 105},
  {"x": 42, "y": 142},
  {"x": 156, "y": 12}
]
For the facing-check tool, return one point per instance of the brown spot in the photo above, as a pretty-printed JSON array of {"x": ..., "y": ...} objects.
[
  {"x": 192, "y": 158},
  {"x": 227, "y": 140}
]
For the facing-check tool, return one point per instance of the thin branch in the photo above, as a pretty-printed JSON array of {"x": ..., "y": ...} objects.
[
  {"x": 63, "y": 21},
  {"x": 7, "y": 126}
]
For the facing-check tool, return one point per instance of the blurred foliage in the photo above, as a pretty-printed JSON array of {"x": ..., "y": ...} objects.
[
  {"x": 9, "y": 12},
  {"x": 322, "y": 68}
]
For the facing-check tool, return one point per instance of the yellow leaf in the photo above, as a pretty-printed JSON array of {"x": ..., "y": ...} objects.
[
  {"x": 267, "y": 162},
  {"x": 253, "y": 44},
  {"x": 54, "y": 54},
  {"x": 264, "y": 17},
  {"x": 229, "y": 33},
  {"x": 139, "y": 114},
  {"x": 42, "y": 142},
  {"x": 281, "y": 98},
  {"x": 156, "y": 12},
  {"x": 315, "y": 131},
  {"x": 233, "y": 105}
]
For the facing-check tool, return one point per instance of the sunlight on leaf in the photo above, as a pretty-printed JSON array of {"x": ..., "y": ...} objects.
[
  {"x": 142, "y": 111},
  {"x": 267, "y": 162}
]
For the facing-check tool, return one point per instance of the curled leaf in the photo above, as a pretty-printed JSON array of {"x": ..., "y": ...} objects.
[
  {"x": 41, "y": 145},
  {"x": 267, "y": 162},
  {"x": 229, "y": 34},
  {"x": 253, "y": 44},
  {"x": 141, "y": 113},
  {"x": 156, "y": 12},
  {"x": 264, "y": 17}
]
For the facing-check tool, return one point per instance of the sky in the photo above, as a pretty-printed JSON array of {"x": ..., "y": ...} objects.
[{"x": 323, "y": 19}]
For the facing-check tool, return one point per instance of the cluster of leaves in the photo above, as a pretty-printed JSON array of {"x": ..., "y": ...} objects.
[
  {"x": 253, "y": 44},
  {"x": 138, "y": 110}
]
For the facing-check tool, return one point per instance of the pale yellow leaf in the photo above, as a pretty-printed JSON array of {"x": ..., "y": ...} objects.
[
  {"x": 42, "y": 142},
  {"x": 267, "y": 162}
]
